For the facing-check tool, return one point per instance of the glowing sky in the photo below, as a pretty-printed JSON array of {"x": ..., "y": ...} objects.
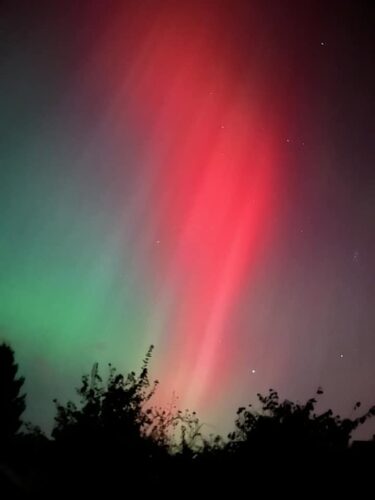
[{"x": 195, "y": 175}]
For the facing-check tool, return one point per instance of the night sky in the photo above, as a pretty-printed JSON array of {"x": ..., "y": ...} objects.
[{"x": 195, "y": 175}]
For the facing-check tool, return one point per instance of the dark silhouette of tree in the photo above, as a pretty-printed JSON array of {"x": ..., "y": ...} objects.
[
  {"x": 290, "y": 440},
  {"x": 295, "y": 426},
  {"x": 114, "y": 440},
  {"x": 12, "y": 405},
  {"x": 114, "y": 421},
  {"x": 117, "y": 407},
  {"x": 12, "y": 402}
]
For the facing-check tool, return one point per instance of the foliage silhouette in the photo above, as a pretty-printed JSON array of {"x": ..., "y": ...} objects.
[
  {"x": 114, "y": 440},
  {"x": 115, "y": 419},
  {"x": 117, "y": 406},
  {"x": 12, "y": 402},
  {"x": 294, "y": 425},
  {"x": 12, "y": 406}
]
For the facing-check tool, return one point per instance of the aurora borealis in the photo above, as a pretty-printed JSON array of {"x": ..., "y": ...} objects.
[{"x": 193, "y": 175}]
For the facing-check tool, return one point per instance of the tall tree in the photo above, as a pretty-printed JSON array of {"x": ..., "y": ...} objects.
[{"x": 12, "y": 402}]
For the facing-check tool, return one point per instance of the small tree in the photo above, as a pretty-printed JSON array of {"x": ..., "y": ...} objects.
[
  {"x": 12, "y": 403},
  {"x": 116, "y": 407},
  {"x": 114, "y": 420}
]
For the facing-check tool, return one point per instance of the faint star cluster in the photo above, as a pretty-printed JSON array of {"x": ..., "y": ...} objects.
[{"x": 356, "y": 257}]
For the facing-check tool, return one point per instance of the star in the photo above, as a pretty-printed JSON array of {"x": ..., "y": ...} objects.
[{"x": 253, "y": 371}]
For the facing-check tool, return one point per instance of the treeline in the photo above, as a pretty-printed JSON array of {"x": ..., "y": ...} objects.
[{"x": 114, "y": 441}]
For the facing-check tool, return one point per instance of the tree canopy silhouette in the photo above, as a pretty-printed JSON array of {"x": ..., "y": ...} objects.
[
  {"x": 293, "y": 426},
  {"x": 111, "y": 409},
  {"x": 12, "y": 402},
  {"x": 112, "y": 419},
  {"x": 112, "y": 439},
  {"x": 291, "y": 439}
]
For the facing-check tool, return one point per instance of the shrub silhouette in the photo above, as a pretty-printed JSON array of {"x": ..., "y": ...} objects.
[
  {"x": 111, "y": 433},
  {"x": 116, "y": 406},
  {"x": 291, "y": 441},
  {"x": 114, "y": 440},
  {"x": 295, "y": 426}
]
